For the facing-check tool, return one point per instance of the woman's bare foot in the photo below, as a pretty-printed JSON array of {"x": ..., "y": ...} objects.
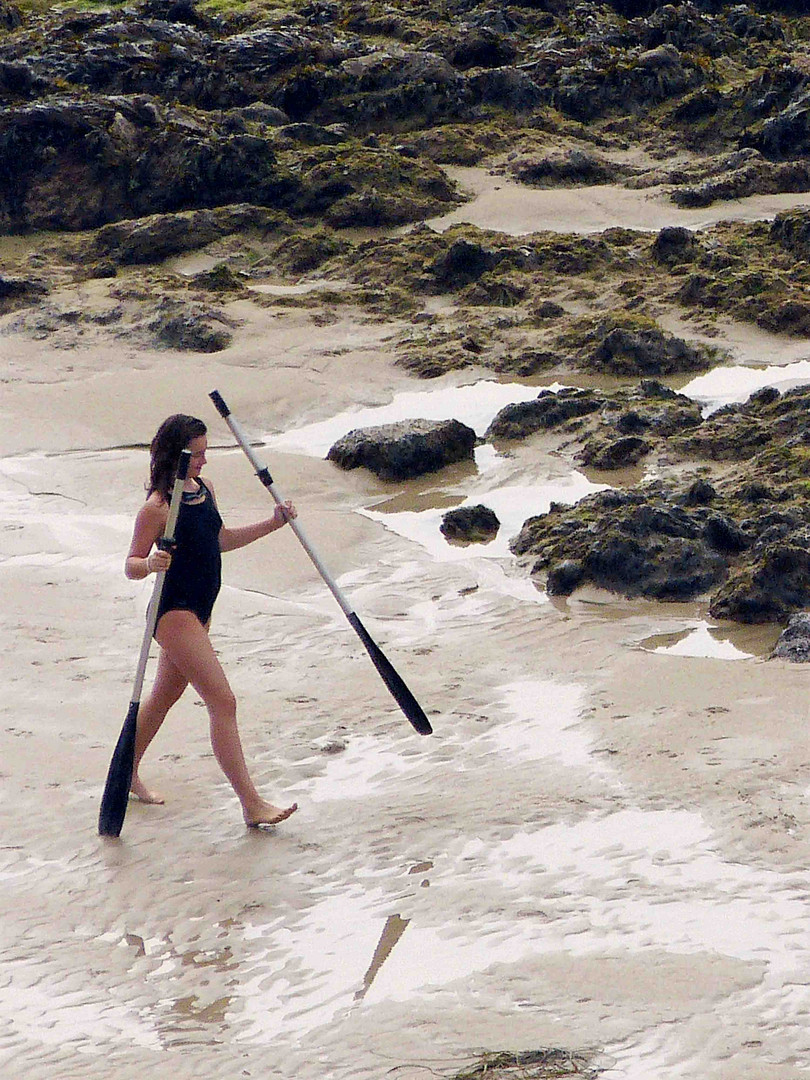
[
  {"x": 139, "y": 791},
  {"x": 265, "y": 813}
]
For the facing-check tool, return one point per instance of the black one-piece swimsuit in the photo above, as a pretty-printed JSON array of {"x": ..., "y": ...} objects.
[{"x": 193, "y": 579}]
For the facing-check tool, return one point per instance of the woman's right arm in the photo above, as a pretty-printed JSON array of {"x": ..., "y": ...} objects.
[{"x": 141, "y": 559}]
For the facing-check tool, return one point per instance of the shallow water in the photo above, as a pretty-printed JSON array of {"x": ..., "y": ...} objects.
[
  {"x": 699, "y": 640},
  {"x": 512, "y": 504},
  {"x": 733, "y": 385},
  {"x": 474, "y": 404}
]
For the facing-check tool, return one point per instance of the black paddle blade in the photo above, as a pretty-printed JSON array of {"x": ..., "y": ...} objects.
[
  {"x": 119, "y": 777},
  {"x": 404, "y": 698}
]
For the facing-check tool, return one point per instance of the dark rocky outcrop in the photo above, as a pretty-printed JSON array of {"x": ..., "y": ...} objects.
[
  {"x": 745, "y": 544},
  {"x": 546, "y": 411},
  {"x": 74, "y": 164},
  {"x": 636, "y": 544},
  {"x": 190, "y": 328},
  {"x": 470, "y": 524},
  {"x": 674, "y": 245},
  {"x": 159, "y": 236},
  {"x": 794, "y": 641},
  {"x": 624, "y": 351},
  {"x": 769, "y": 587},
  {"x": 615, "y": 428},
  {"x": 15, "y": 292},
  {"x": 405, "y": 449}
]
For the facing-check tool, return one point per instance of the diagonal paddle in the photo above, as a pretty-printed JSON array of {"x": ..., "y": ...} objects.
[
  {"x": 404, "y": 698},
  {"x": 119, "y": 776}
]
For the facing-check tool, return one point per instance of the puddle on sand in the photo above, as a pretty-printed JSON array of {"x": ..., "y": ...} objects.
[
  {"x": 702, "y": 640},
  {"x": 548, "y": 724},
  {"x": 512, "y": 505},
  {"x": 38, "y": 1010},
  {"x": 731, "y": 385},
  {"x": 474, "y": 404},
  {"x": 348, "y": 953},
  {"x": 622, "y": 883}
]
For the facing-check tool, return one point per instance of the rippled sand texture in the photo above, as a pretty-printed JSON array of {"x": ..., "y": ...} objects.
[{"x": 603, "y": 846}]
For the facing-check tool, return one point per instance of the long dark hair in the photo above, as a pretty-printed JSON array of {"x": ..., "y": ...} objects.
[{"x": 173, "y": 436}]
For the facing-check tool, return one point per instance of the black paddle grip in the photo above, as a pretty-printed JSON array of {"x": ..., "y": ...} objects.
[
  {"x": 400, "y": 692},
  {"x": 220, "y": 405}
]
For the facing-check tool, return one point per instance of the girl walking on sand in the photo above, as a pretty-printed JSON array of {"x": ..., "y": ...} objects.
[{"x": 190, "y": 588}]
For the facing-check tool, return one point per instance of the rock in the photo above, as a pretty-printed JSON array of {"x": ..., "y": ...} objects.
[
  {"x": 181, "y": 11},
  {"x": 462, "y": 263},
  {"x": 791, "y": 229},
  {"x": 674, "y": 245},
  {"x": 770, "y": 587},
  {"x": 614, "y": 453},
  {"x": 637, "y": 543},
  {"x": 158, "y": 236},
  {"x": 648, "y": 352},
  {"x": 220, "y": 279},
  {"x": 700, "y": 493},
  {"x": 506, "y": 88},
  {"x": 73, "y": 164},
  {"x": 794, "y": 641},
  {"x": 311, "y": 134},
  {"x": 564, "y": 577},
  {"x": 15, "y": 292},
  {"x": 786, "y": 135},
  {"x": 473, "y": 524},
  {"x": 10, "y": 17},
  {"x": 547, "y": 410},
  {"x": 568, "y": 167},
  {"x": 405, "y": 449},
  {"x": 724, "y": 535},
  {"x": 306, "y": 251},
  {"x": 190, "y": 331}
]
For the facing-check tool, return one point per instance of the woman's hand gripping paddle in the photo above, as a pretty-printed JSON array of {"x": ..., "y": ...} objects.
[
  {"x": 404, "y": 698},
  {"x": 119, "y": 776}
]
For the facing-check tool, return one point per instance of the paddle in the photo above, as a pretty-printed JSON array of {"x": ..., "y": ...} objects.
[
  {"x": 404, "y": 698},
  {"x": 119, "y": 776}
]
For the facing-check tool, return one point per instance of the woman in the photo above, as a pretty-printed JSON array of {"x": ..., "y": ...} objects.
[{"x": 189, "y": 591}]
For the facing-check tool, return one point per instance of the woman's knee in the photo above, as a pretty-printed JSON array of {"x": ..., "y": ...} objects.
[{"x": 220, "y": 701}]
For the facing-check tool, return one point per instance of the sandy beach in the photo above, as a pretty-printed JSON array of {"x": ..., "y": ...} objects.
[{"x": 603, "y": 847}]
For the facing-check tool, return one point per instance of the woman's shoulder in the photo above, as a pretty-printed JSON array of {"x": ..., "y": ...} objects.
[{"x": 154, "y": 509}]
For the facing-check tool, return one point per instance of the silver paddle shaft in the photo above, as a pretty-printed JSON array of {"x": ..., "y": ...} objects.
[{"x": 264, "y": 475}]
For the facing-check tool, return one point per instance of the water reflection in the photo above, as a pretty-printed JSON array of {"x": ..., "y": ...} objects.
[
  {"x": 512, "y": 505},
  {"x": 474, "y": 404},
  {"x": 548, "y": 724},
  {"x": 394, "y": 928},
  {"x": 699, "y": 640},
  {"x": 732, "y": 385}
]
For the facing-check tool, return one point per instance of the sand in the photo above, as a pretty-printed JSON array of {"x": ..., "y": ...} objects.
[{"x": 603, "y": 846}]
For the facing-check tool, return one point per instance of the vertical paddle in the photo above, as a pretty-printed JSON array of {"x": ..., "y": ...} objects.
[
  {"x": 119, "y": 776},
  {"x": 404, "y": 698}
]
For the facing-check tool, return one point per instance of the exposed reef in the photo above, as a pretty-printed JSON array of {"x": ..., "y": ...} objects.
[{"x": 308, "y": 144}]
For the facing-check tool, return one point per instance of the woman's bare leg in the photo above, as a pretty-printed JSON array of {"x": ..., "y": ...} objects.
[
  {"x": 167, "y": 689},
  {"x": 185, "y": 641}
]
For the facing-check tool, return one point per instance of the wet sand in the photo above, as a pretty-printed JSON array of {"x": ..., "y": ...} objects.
[{"x": 603, "y": 846}]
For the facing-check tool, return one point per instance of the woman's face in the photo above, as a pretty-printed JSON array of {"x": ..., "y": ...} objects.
[{"x": 197, "y": 447}]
